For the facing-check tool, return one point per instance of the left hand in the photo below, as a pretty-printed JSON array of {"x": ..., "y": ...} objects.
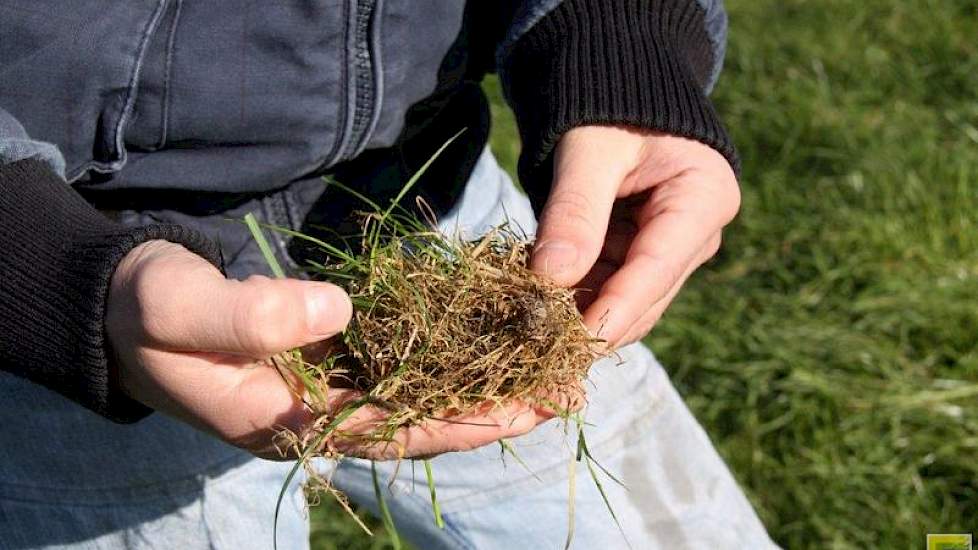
[{"x": 631, "y": 215}]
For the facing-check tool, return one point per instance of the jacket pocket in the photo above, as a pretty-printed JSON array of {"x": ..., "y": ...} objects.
[{"x": 68, "y": 73}]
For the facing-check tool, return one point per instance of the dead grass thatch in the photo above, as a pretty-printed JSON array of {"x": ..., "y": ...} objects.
[{"x": 443, "y": 328}]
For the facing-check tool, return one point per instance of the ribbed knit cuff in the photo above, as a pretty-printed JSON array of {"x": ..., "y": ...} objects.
[
  {"x": 59, "y": 255},
  {"x": 641, "y": 63}
]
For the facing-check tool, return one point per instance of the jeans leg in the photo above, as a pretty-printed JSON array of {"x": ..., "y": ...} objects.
[{"x": 222, "y": 510}]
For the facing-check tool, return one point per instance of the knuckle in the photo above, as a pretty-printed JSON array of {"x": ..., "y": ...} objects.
[
  {"x": 728, "y": 197},
  {"x": 713, "y": 246},
  {"x": 265, "y": 318},
  {"x": 732, "y": 201},
  {"x": 665, "y": 269},
  {"x": 150, "y": 288},
  {"x": 643, "y": 328},
  {"x": 146, "y": 281},
  {"x": 718, "y": 190},
  {"x": 569, "y": 209},
  {"x": 153, "y": 301},
  {"x": 650, "y": 323}
]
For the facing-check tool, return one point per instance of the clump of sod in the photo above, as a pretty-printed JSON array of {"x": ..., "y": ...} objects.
[{"x": 442, "y": 327}]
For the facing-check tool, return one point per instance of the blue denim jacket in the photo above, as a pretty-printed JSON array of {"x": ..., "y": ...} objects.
[{"x": 225, "y": 96}]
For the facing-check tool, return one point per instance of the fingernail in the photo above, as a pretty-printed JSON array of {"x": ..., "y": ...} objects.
[
  {"x": 328, "y": 309},
  {"x": 555, "y": 257}
]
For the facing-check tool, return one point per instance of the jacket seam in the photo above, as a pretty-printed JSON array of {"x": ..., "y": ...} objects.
[
  {"x": 167, "y": 76},
  {"x": 343, "y": 116},
  {"x": 359, "y": 44},
  {"x": 128, "y": 102},
  {"x": 377, "y": 75}
]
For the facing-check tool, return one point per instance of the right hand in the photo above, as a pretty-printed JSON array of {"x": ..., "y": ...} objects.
[{"x": 191, "y": 343}]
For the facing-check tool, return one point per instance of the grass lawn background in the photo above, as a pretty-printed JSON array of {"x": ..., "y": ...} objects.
[{"x": 830, "y": 351}]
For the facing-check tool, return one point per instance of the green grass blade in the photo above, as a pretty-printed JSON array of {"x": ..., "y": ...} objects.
[
  {"x": 288, "y": 480},
  {"x": 266, "y": 249},
  {"x": 590, "y": 462},
  {"x": 580, "y": 445},
  {"x": 310, "y": 385},
  {"x": 417, "y": 175},
  {"x": 345, "y": 256},
  {"x": 571, "y": 496},
  {"x": 409, "y": 221},
  {"x": 604, "y": 497},
  {"x": 344, "y": 413},
  {"x": 385, "y": 513},
  {"x": 366, "y": 200},
  {"x": 587, "y": 454},
  {"x": 434, "y": 499},
  {"x": 508, "y": 448}
]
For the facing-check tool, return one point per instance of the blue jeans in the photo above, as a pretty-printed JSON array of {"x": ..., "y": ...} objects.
[{"x": 70, "y": 479}]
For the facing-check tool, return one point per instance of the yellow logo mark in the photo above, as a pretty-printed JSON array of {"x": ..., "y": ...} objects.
[{"x": 948, "y": 542}]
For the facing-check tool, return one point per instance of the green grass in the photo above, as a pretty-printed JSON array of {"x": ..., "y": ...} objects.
[{"x": 831, "y": 350}]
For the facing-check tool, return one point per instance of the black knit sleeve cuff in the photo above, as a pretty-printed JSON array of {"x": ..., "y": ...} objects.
[
  {"x": 59, "y": 257},
  {"x": 642, "y": 63}
]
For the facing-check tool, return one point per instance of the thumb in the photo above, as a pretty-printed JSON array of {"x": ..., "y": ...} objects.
[
  {"x": 265, "y": 316},
  {"x": 575, "y": 217},
  {"x": 184, "y": 304}
]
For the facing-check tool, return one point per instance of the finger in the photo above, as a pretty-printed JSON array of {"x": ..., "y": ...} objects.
[
  {"x": 647, "y": 321},
  {"x": 644, "y": 325},
  {"x": 461, "y": 432},
  {"x": 185, "y": 304},
  {"x": 575, "y": 217},
  {"x": 659, "y": 256},
  {"x": 586, "y": 291},
  {"x": 201, "y": 389},
  {"x": 561, "y": 402},
  {"x": 618, "y": 241},
  {"x": 433, "y": 436}
]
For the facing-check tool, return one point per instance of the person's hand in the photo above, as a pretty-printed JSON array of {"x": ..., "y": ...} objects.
[
  {"x": 630, "y": 216},
  {"x": 191, "y": 344}
]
